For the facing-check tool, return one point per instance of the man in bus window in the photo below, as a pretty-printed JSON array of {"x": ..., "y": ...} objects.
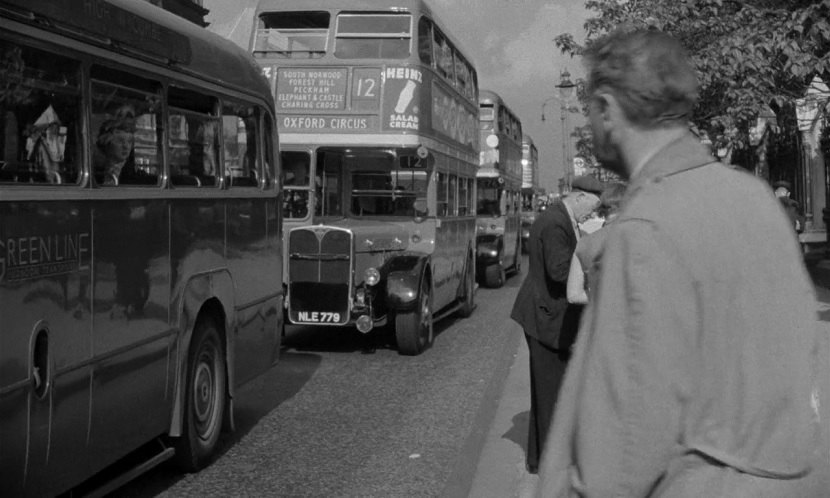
[{"x": 297, "y": 173}]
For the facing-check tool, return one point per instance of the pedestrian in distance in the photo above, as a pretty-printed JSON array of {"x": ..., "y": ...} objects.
[
  {"x": 783, "y": 190},
  {"x": 695, "y": 369},
  {"x": 542, "y": 308},
  {"x": 585, "y": 261}
]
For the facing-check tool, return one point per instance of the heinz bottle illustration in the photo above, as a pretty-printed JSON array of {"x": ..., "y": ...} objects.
[{"x": 405, "y": 97}]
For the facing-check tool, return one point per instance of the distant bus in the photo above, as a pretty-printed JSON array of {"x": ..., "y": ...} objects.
[
  {"x": 140, "y": 255},
  {"x": 377, "y": 112},
  {"x": 499, "y": 186},
  {"x": 531, "y": 192}
]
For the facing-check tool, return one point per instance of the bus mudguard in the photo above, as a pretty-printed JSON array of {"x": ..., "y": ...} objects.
[
  {"x": 210, "y": 291},
  {"x": 488, "y": 247},
  {"x": 404, "y": 279}
]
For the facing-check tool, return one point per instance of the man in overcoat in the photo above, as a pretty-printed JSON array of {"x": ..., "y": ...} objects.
[
  {"x": 695, "y": 370},
  {"x": 542, "y": 308}
]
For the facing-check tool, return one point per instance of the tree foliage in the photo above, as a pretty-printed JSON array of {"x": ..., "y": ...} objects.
[{"x": 748, "y": 54}]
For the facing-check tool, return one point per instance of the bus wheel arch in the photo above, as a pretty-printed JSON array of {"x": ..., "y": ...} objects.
[{"x": 206, "y": 408}]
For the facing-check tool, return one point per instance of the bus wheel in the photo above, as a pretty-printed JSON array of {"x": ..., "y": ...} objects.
[
  {"x": 468, "y": 303},
  {"x": 204, "y": 402},
  {"x": 413, "y": 329},
  {"x": 494, "y": 276}
]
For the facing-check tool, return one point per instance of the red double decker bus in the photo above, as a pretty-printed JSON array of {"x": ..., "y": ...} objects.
[
  {"x": 140, "y": 241},
  {"x": 378, "y": 122}
]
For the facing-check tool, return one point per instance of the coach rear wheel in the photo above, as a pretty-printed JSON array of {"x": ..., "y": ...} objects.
[
  {"x": 413, "y": 329},
  {"x": 204, "y": 403}
]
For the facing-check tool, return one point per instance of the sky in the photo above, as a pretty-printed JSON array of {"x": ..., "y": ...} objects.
[{"x": 511, "y": 44}]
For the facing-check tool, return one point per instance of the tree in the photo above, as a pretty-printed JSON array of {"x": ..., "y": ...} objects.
[{"x": 748, "y": 54}]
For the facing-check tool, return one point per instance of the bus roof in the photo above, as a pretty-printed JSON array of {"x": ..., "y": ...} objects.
[
  {"x": 527, "y": 139},
  {"x": 153, "y": 34},
  {"x": 491, "y": 97},
  {"x": 361, "y": 5}
]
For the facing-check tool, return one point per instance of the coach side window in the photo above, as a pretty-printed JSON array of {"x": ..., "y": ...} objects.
[
  {"x": 239, "y": 137},
  {"x": 39, "y": 116},
  {"x": 193, "y": 138},
  {"x": 126, "y": 110}
]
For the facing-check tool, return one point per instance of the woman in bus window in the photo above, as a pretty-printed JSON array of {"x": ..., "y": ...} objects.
[{"x": 114, "y": 155}]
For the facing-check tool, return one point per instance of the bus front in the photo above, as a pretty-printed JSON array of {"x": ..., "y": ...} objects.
[{"x": 361, "y": 122}]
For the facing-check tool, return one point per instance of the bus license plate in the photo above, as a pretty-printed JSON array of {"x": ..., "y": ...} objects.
[{"x": 318, "y": 317}]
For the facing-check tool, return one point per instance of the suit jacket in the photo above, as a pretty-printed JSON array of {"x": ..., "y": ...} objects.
[
  {"x": 696, "y": 369},
  {"x": 541, "y": 306}
]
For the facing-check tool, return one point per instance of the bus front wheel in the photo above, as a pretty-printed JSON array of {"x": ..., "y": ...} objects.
[
  {"x": 204, "y": 403},
  {"x": 413, "y": 329},
  {"x": 468, "y": 299}
]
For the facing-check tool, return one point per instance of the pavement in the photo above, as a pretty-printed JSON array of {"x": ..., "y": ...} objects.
[{"x": 500, "y": 471}]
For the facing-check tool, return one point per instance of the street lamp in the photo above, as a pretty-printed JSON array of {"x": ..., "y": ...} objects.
[{"x": 567, "y": 88}]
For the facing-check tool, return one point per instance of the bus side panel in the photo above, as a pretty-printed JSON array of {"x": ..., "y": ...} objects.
[
  {"x": 132, "y": 338},
  {"x": 44, "y": 279},
  {"x": 252, "y": 259}
]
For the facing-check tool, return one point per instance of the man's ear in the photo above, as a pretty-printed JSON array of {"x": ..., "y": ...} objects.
[{"x": 609, "y": 107}]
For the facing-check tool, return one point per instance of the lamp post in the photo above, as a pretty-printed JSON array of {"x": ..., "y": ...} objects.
[{"x": 567, "y": 88}]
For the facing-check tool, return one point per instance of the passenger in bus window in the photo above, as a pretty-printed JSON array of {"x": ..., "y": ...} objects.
[
  {"x": 114, "y": 157},
  {"x": 297, "y": 173}
]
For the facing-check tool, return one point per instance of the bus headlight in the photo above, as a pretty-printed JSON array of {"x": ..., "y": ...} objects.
[{"x": 371, "y": 276}]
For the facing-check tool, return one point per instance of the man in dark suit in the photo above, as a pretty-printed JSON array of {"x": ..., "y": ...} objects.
[{"x": 542, "y": 308}]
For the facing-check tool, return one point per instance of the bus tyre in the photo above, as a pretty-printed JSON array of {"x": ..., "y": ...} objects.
[
  {"x": 468, "y": 298},
  {"x": 204, "y": 402},
  {"x": 413, "y": 329},
  {"x": 494, "y": 276}
]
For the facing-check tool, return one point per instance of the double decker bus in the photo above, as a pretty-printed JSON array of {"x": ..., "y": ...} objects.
[
  {"x": 531, "y": 192},
  {"x": 499, "y": 187},
  {"x": 377, "y": 110},
  {"x": 140, "y": 253}
]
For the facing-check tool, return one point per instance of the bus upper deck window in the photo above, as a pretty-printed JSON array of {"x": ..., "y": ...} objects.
[
  {"x": 373, "y": 36},
  {"x": 40, "y": 117},
  {"x": 425, "y": 40},
  {"x": 292, "y": 34}
]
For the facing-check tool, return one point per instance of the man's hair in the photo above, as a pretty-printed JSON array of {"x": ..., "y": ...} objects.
[
  {"x": 611, "y": 199},
  {"x": 649, "y": 74}
]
